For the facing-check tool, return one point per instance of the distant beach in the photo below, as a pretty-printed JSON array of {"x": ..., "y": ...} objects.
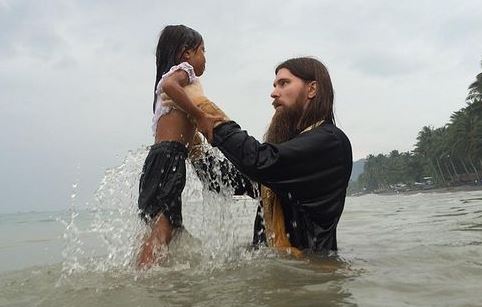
[{"x": 453, "y": 189}]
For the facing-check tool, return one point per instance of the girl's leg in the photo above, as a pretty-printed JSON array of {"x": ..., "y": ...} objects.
[
  {"x": 155, "y": 246},
  {"x": 160, "y": 188}
]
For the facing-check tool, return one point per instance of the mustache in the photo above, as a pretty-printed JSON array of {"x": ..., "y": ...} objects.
[{"x": 275, "y": 103}]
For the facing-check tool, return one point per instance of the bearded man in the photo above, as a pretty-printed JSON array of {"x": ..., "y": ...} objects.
[{"x": 303, "y": 166}]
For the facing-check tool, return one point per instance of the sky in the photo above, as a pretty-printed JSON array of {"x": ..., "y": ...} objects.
[{"x": 76, "y": 77}]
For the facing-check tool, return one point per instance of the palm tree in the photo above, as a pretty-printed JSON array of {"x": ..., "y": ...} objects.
[
  {"x": 456, "y": 137},
  {"x": 425, "y": 149},
  {"x": 475, "y": 89},
  {"x": 474, "y": 110}
]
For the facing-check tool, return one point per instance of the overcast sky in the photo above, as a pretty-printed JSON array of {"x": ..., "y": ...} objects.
[{"x": 76, "y": 77}]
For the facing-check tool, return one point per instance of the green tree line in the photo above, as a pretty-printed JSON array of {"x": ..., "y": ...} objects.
[{"x": 445, "y": 156}]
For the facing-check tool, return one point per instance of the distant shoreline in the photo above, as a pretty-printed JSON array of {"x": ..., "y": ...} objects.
[{"x": 462, "y": 188}]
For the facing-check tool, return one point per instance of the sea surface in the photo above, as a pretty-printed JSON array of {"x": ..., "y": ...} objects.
[{"x": 399, "y": 250}]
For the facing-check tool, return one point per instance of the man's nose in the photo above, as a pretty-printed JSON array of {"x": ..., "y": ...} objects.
[{"x": 274, "y": 93}]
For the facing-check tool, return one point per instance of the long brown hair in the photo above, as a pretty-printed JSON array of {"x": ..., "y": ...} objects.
[
  {"x": 321, "y": 106},
  {"x": 173, "y": 40}
]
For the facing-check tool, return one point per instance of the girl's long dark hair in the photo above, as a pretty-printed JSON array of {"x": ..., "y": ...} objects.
[
  {"x": 321, "y": 106},
  {"x": 173, "y": 41}
]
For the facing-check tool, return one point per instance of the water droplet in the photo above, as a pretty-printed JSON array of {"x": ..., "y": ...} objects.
[
  {"x": 294, "y": 224},
  {"x": 174, "y": 169},
  {"x": 290, "y": 196}
]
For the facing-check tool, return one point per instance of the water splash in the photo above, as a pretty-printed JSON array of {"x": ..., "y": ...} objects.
[{"x": 107, "y": 235}]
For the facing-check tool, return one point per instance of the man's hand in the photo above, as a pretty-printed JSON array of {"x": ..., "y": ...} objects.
[
  {"x": 206, "y": 124},
  {"x": 209, "y": 118}
]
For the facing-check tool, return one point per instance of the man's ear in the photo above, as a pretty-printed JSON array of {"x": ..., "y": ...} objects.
[{"x": 312, "y": 89}]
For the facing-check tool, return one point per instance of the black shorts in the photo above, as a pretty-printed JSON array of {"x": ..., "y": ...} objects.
[{"x": 162, "y": 180}]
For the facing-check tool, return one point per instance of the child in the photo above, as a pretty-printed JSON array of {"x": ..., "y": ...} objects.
[{"x": 179, "y": 103}]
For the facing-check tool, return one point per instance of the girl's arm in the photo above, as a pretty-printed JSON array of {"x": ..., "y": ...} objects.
[{"x": 173, "y": 87}]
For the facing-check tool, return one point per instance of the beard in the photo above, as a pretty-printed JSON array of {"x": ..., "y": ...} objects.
[{"x": 285, "y": 122}]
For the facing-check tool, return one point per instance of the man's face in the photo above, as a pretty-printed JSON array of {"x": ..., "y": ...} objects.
[
  {"x": 290, "y": 96},
  {"x": 289, "y": 91}
]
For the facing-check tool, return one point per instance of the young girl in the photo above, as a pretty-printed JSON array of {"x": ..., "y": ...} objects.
[{"x": 178, "y": 107}]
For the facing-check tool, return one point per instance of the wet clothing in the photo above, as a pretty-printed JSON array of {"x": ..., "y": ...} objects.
[
  {"x": 309, "y": 174},
  {"x": 162, "y": 180},
  {"x": 164, "y": 104},
  {"x": 194, "y": 90}
]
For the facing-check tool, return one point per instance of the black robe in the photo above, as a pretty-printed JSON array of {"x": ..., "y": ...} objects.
[{"x": 309, "y": 174}]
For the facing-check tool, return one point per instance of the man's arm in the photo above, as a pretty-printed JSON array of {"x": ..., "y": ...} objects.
[
  {"x": 218, "y": 175},
  {"x": 312, "y": 161}
]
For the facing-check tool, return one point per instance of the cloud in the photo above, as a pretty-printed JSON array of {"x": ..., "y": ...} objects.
[
  {"x": 386, "y": 65},
  {"x": 29, "y": 30},
  {"x": 76, "y": 77}
]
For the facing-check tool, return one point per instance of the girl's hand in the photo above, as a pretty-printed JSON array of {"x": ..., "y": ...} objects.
[{"x": 206, "y": 123}]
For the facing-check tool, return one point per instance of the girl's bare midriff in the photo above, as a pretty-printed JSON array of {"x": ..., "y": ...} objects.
[{"x": 175, "y": 126}]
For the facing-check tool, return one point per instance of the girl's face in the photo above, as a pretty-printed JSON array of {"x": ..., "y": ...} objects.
[{"x": 196, "y": 58}]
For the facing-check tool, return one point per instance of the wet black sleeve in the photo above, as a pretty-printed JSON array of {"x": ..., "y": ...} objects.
[
  {"x": 219, "y": 175},
  {"x": 315, "y": 163}
]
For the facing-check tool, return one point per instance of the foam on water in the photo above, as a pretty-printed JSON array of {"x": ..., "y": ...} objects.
[{"x": 217, "y": 227}]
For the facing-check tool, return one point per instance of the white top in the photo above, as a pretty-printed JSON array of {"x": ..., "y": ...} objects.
[{"x": 161, "y": 108}]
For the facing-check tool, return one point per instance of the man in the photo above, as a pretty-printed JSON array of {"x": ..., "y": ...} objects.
[{"x": 304, "y": 165}]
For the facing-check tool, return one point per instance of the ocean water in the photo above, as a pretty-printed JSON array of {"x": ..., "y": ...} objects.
[{"x": 399, "y": 250}]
